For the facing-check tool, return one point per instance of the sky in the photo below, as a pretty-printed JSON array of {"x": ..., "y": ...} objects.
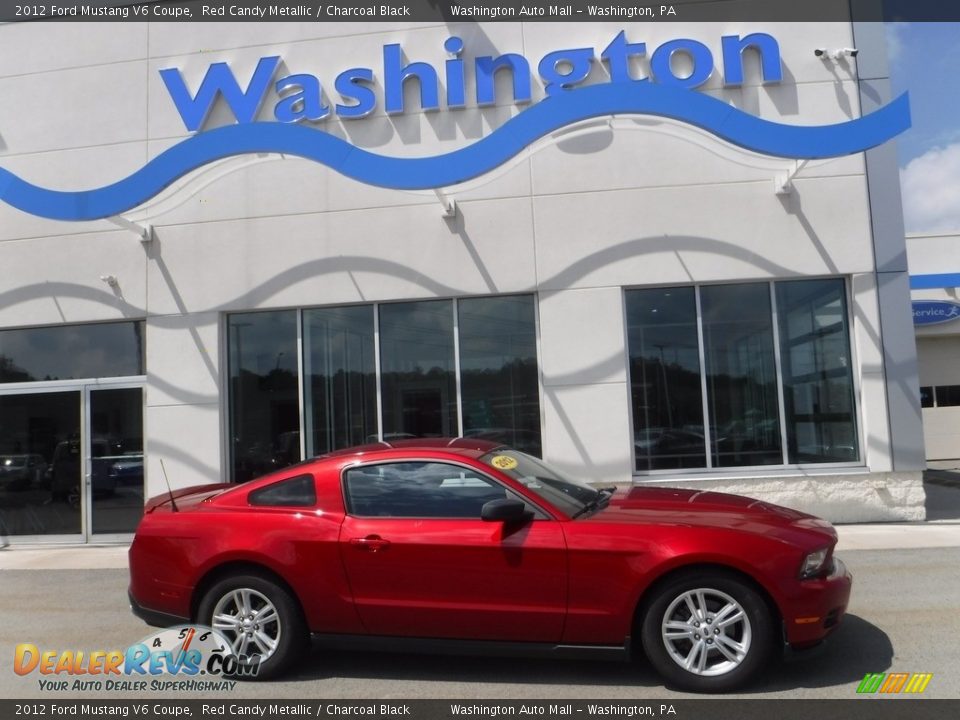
[{"x": 925, "y": 60}]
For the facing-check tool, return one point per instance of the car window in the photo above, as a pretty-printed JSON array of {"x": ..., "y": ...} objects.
[
  {"x": 418, "y": 490},
  {"x": 298, "y": 491}
]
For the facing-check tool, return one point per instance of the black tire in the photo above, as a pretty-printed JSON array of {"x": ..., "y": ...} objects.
[
  {"x": 717, "y": 666},
  {"x": 289, "y": 629}
]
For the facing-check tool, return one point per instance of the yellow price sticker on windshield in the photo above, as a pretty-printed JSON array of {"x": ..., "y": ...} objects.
[{"x": 504, "y": 462}]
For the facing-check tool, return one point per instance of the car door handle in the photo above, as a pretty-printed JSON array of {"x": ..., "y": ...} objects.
[{"x": 370, "y": 543}]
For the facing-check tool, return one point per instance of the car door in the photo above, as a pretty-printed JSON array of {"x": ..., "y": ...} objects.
[{"x": 421, "y": 562}]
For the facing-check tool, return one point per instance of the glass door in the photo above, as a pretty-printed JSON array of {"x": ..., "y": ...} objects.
[
  {"x": 71, "y": 463},
  {"x": 40, "y": 465},
  {"x": 114, "y": 467}
]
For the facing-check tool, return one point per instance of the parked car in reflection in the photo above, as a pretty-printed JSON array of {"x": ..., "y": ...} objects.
[
  {"x": 110, "y": 467},
  {"x": 462, "y": 545},
  {"x": 665, "y": 442},
  {"x": 122, "y": 470},
  {"x": 18, "y": 472},
  {"x": 525, "y": 441}
]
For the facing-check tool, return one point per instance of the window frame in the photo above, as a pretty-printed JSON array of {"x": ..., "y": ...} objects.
[
  {"x": 751, "y": 470},
  {"x": 539, "y": 512}
]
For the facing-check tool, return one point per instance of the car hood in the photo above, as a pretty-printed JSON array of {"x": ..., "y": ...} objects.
[{"x": 701, "y": 508}]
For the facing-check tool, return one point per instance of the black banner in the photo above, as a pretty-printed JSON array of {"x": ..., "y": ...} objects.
[
  {"x": 480, "y": 10},
  {"x": 706, "y": 709}
]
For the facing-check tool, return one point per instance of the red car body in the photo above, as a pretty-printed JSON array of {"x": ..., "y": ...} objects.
[{"x": 556, "y": 580}]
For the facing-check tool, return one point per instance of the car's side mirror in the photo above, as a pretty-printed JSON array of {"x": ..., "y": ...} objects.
[{"x": 505, "y": 510}]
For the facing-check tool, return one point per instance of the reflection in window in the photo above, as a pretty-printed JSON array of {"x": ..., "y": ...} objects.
[
  {"x": 417, "y": 365},
  {"x": 339, "y": 377},
  {"x": 40, "y": 464},
  {"x": 665, "y": 379},
  {"x": 741, "y": 375},
  {"x": 69, "y": 352},
  {"x": 264, "y": 406},
  {"x": 926, "y": 396},
  {"x": 419, "y": 489},
  {"x": 817, "y": 385},
  {"x": 499, "y": 387},
  {"x": 948, "y": 395},
  {"x": 420, "y": 343}
]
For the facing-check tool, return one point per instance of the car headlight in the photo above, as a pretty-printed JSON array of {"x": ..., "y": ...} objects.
[{"x": 813, "y": 563}]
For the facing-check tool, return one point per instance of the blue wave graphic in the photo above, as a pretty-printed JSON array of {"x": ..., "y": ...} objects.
[{"x": 549, "y": 115}]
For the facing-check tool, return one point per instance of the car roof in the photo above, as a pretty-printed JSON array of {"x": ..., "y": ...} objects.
[{"x": 471, "y": 447}]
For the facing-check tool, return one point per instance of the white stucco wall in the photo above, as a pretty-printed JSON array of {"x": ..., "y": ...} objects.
[{"x": 643, "y": 202}]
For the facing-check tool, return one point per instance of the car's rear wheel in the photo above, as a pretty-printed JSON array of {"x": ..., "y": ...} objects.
[
  {"x": 707, "y": 631},
  {"x": 258, "y": 617}
]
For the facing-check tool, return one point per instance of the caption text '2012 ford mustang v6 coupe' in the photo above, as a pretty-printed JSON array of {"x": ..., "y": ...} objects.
[{"x": 440, "y": 545}]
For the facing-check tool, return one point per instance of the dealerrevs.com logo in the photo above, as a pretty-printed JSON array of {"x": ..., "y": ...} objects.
[{"x": 186, "y": 658}]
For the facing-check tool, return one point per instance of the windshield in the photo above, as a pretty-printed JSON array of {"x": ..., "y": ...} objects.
[{"x": 570, "y": 496}]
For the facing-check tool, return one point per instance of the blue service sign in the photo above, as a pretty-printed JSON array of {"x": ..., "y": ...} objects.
[{"x": 933, "y": 312}]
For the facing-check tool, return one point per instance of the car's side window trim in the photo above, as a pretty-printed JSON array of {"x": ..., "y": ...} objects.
[{"x": 539, "y": 512}]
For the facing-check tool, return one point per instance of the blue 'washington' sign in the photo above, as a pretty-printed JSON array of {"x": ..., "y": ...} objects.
[
  {"x": 296, "y": 128},
  {"x": 932, "y": 312}
]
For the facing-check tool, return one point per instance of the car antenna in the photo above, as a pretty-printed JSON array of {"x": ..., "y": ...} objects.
[{"x": 173, "y": 503}]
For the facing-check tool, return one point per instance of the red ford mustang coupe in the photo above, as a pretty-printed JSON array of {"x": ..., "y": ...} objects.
[{"x": 440, "y": 545}]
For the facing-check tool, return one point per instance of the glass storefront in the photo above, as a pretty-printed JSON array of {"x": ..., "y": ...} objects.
[
  {"x": 444, "y": 368},
  {"x": 717, "y": 352},
  {"x": 71, "y": 440}
]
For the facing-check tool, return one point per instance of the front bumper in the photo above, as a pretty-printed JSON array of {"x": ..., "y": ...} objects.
[{"x": 818, "y": 607}]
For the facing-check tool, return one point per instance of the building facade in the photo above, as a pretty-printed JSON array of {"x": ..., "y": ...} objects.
[
  {"x": 641, "y": 286},
  {"x": 934, "y": 280}
]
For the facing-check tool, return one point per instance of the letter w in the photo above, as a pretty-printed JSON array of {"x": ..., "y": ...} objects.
[{"x": 219, "y": 80}]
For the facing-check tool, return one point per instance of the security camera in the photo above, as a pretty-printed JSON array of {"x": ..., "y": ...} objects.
[
  {"x": 852, "y": 52},
  {"x": 820, "y": 52}
]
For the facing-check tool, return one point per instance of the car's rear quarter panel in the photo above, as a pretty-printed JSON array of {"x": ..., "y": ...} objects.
[{"x": 174, "y": 553}]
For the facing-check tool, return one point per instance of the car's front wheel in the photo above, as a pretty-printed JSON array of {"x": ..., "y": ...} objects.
[
  {"x": 258, "y": 617},
  {"x": 707, "y": 631}
]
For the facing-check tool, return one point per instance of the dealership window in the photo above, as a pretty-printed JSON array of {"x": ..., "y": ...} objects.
[
  {"x": 665, "y": 373},
  {"x": 264, "y": 398},
  {"x": 71, "y": 352},
  {"x": 340, "y": 378},
  {"x": 948, "y": 395},
  {"x": 940, "y": 396},
  {"x": 767, "y": 365},
  {"x": 741, "y": 375},
  {"x": 418, "y": 375},
  {"x": 817, "y": 380},
  {"x": 433, "y": 368},
  {"x": 498, "y": 370}
]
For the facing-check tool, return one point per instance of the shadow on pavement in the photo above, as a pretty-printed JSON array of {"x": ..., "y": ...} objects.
[{"x": 856, "y": 648}]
